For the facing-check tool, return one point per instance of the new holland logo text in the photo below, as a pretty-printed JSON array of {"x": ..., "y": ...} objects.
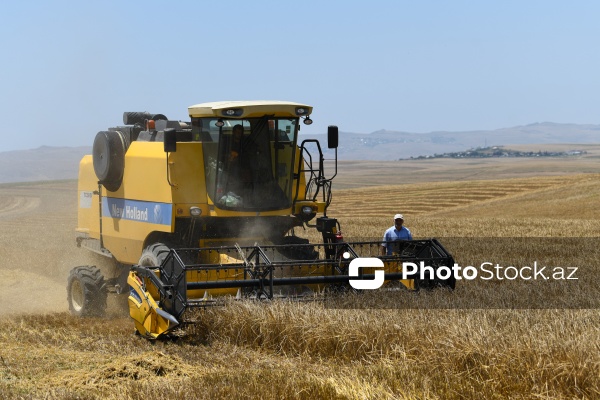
[
  {"x": 129, "y": 212},
  {"x": 138, "y": 211}
]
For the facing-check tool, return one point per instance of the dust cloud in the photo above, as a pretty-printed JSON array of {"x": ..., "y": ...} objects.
[{"x": 37, "y": 246}]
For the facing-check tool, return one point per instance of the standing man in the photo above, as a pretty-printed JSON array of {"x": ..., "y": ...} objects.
[
  {"x": 238, "y": 175},
  {"x": 396, "y": 232}
]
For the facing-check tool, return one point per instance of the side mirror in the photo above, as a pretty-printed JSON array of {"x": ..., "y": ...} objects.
[
  {"x": 332, "y": 137},
  {"x": 170, "y": 139}
]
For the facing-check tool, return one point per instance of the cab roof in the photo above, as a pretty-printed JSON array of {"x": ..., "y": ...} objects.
[{"x": 246, "y": 109}]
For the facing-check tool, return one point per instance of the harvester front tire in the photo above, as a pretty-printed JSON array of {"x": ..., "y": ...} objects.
[
  {"x": 154, "y": 255},
  {"x": 307, "y": 252},
  {"x": 86, "y": 293}
]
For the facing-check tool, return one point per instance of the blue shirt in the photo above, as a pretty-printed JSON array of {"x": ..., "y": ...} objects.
[{"x": 394, "y": 234}]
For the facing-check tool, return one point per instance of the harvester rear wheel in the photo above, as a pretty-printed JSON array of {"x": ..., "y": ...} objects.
[{"x": 86, "y": 292}]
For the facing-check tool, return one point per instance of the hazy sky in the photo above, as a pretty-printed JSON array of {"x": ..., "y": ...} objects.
[{"x": 70, "y": 69}]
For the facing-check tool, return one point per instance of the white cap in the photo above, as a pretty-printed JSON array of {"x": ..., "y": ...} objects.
[{"x": 398, "y": 216}]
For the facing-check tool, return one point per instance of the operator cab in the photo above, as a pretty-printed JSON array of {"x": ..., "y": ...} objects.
[{"x": 248, "y": 162}]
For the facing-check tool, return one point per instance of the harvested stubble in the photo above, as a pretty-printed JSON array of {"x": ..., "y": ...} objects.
[{"x": 307, "y": 350}]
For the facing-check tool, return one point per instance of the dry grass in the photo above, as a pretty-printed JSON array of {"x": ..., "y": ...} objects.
[
  {"x": 249, "y": 350},
  {"x": 308, "y": 350}
]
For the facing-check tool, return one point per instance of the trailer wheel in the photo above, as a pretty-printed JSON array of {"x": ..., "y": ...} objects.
[{"x": 86, "y": 293}]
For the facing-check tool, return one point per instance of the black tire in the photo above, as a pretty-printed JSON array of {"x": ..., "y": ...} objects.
[
  {"x": 108, "y": 156},
  {"x": 136, "y": 118},
  {"x": 86, "y": 293},
  {"x": 298, "y": 253},
  {"x": 154, "y": 255}
]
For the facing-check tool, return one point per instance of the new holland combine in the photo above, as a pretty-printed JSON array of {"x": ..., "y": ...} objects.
[{"x": 183, "y": 212}]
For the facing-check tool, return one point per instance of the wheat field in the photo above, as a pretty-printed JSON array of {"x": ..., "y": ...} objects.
[{"x": 307, "y": 350}]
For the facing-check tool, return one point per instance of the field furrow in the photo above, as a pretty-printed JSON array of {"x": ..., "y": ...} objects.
[{"x": 433, "y": 197}]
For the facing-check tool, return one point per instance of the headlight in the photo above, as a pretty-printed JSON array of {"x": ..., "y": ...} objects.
[
  {"x": 195, "y": 211},
  {"x": 233, "y": 112},
  {"x": 306, "y": 213},
  {"x": 307, "y": 210}
]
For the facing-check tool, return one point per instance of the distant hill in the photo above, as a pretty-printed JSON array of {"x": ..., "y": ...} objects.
[
  {"x": 51, "y": 163},
  {"x": 392, "y": 145},
  {"x": 43, "y": 163}
]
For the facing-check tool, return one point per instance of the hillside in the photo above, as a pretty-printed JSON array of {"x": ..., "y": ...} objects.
[
  {"x": 390, "y": 145},
  {"x": 40, "y": 164}
]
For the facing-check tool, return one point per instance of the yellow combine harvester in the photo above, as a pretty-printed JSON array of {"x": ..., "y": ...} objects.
[{"x": 181, "y": 212}]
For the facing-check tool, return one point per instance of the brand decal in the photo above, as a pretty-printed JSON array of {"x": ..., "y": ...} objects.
[{"x": 140, "y": 211}]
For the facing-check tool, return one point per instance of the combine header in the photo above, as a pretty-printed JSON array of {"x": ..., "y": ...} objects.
[{"x": 181, "y": 213}]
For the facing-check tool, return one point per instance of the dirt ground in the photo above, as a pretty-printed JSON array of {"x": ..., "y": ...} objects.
[{"x": 37, "y": 232}]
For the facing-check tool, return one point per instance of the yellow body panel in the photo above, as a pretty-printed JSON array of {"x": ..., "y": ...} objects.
[
  {"x": 145, "y": 182},
  {"x": 145, "y": 174},
  {"x": 186, "y": 174},
  {"x": 88, "y": 205}
]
